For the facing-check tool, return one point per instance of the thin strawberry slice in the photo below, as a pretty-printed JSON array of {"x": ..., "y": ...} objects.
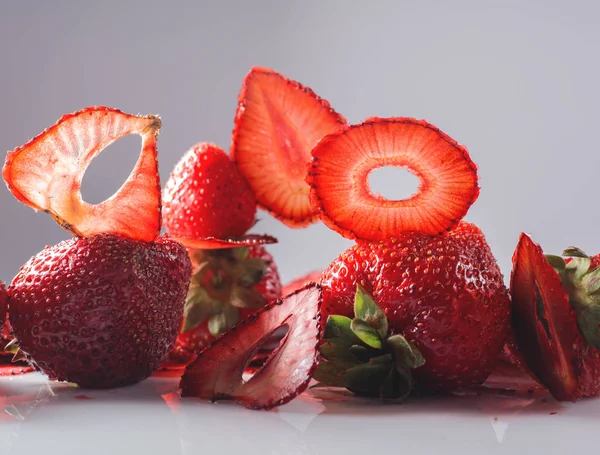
[
  {"x": 46, "y": 174},
  {"x": 217, "y": 372},
  {"x": 278, "y": 121},
  {"x": 212, "y": 243},
  {"x": 311, "y": 277},
  {"x": 338, "y": 176},
  {"x": 543, "y": 320}
]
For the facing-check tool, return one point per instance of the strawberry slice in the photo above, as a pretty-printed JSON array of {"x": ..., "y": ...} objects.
[
  {"x": 278, "y": 121},
  {"x": 46, "y": 174},
  {"x": 342, "y": 161},
  {"x": 217, "y": 372},
  {"x": 543, "y": 320},
  {"x": 213, "y": 243}
]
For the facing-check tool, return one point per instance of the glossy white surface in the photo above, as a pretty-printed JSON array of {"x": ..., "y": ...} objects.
[{"x": 150, "y": 418}]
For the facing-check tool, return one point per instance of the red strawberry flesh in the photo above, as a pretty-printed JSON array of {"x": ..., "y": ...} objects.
[
  {"x": 543, "y": 320},
  {"x": 213, "y": 243},
  {"x": 338, "y": 176},
  {"x": 217, "y": 372},
  {"x": 278, "y": 122},
  {"x": 46, "y": 174}
]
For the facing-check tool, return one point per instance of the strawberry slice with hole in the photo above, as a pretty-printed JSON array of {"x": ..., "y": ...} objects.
[
  {"x": 278, "y": 122},
  {"x": 46, "y": 174},
  {"x": 218, "y": 371},
  {"x": 213, "y": 243},
  {"x": 339, "y": 171},
  {"x": 543, "y": 320}
]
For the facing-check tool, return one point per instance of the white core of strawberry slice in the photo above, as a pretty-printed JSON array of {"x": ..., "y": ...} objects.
[
  {"x": 46, "y": 174},
  {"x": 218, "y": 371}
]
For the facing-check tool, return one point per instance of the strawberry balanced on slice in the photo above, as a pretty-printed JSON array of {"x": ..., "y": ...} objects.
[
  {"x": 101, "y": 309},
  {"x": 556, "y": 318},
  {"x": 209, "y": 207}
]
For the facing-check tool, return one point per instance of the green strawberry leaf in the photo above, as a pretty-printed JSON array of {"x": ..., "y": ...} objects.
[
  {"x": 329, "y": 374},
  {"x": 367, "y": 310},
  {"x": 366, "y": 379},
  {"x": 363, "y": 353},
  {"x": 224, "y": 320},
  {"x": 574, "y": 252},
  {"x": 406, "y": 355},
  {"x": 397, "y": 386},
  {"x": 590, "y": 282},
  {"x": 337, "y": 330},
  {"x": 588, "y": 318},
  {"x": 338, "y": 354},
  {"x": 366, "y": 333},
  {"x": 250, "y": 272},
  {"x": 558, "y": 263},
  {"x": 242, "y": 297}
]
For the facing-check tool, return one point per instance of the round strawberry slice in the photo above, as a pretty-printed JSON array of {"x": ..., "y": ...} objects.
[
  {"x": 338, "y": 176},
  {"x": 217, "y": 372},
  {"x": 46, "y": 174},
  {"x": 278, "y": 121}
]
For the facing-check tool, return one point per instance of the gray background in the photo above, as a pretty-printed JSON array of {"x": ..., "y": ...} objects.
[{"x": 517, "y": 82}]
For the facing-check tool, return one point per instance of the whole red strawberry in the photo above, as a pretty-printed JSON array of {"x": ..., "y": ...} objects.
[
  {"x": 206, "y": 196},
  {"x": 100, "y": 311},
  {"x": 227, "y": 286},
  {"x": 556, "y": 318},
  {"x": 444, "y": 294}
]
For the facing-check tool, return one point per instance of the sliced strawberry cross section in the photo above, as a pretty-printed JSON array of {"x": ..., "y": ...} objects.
[
  {"x": 543, "y": 320},
  {"x": 278, "y": 122},
  {"x": 218, "y": 370},
  {"x": 213, "y": 243},
  {"x": 338, "y": 176},
  {"x": 46, "y": 174}
]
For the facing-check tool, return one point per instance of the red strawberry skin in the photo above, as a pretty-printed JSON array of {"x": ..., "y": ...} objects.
[
  {"x": 444, "y": 293},
  {"x": 189, "y": 343},
  {"x": 100, "y": 311},
  {"x": 206, "y": 196}
]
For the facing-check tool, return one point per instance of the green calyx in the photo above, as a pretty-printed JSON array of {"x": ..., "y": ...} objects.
[
  {"x": 222, "y": 283},
  {"x": 582, "y": 283},
  {"x": 360, "y": 354}
]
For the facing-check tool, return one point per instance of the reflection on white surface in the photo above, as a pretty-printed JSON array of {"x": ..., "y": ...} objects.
[{"x": 150, "y": 418}]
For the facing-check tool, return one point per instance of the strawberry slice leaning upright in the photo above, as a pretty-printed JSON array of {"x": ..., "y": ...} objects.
[
  {"x": 277, "y": 123},
  {"x": 101, "y": 309},
  {"x": 556, "y": 318},
  {"x": 218, "y": 371}
]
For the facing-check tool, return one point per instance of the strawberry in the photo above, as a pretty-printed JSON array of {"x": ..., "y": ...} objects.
[
  {"x": 103, "y": 308},
  {"x": 206, "y": 196},
  {"x": 101, "y": 311},
  {"x": 556, "y": 317},
  {"x": 311, "y": 277},
  {"x": 277, "y": 123},
  {"x": 217, "y": 372},
  {"x": 342, "y": 161},
  {"x": 46, "y": 174},
  {"x": 443, "y": 293},
  {"x": 227, "y": 286}
]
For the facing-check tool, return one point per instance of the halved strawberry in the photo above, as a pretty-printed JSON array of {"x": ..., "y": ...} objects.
[
  {"x": 46, "y": 174},
  {"x": 338, "y": 176},
  {"x": 217, "y": 372},
  {"x": 294, "y": 285},
  {"x": 277, "y": 123},
  {"x": 543, "y": 320}
]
